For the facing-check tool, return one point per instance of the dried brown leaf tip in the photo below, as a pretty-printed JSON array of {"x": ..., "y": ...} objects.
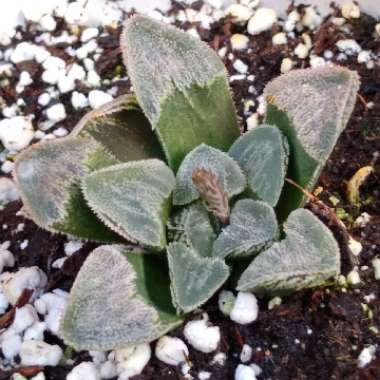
[{"x": 212, "y": 193}]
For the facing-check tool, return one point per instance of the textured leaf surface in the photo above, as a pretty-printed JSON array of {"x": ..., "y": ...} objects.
[
  {"x": 192, "y": 226},
  {"x": 227, "y": 170},
  {"x": 49, "y": 174},
  {"x": 262, "y": 153},
  {"x": 312, "y": 108},
  {"x": 253, "y": 226},
  {"x": 122, "y": 129},
  {"x": 118, "y": 299},
  {"x": 194, "y": 279},
  {"x": 133, "y": 199},
  {"x": 181, "y": 85},
  {"x": 307, "y": 257}
]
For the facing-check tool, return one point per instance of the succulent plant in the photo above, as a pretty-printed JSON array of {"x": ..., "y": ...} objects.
[{"x": 168, "y": 171}]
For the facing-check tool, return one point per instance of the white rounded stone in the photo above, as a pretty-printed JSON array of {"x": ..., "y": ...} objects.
[
  {"x": 279, "y": 39},
  {"x": 79, "y": 100},
  {"x": 34, "y": 352},
  {"x": 245, "y": 309},
  {"x": 16, "y": 133},
  {"x": 239, "y": 41},
  {"x": 171, "y": 350},
  {"x": 56, "y": 113},
  {"x": 132, "y": 360},
  {"x": 286, "y": 65},
  {"x": 84, "y": 371},
  {"x": 239, "y": 13},
  {"x": 98, "y": 98},
  {"x": 244, "y": 372},
  {"x": 262, "y": 20}
]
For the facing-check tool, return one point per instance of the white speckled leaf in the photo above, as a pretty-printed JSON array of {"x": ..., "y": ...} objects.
[
  {"x": 181, "y": 84},
  {"x": 194, "y": 279},
  {"x": 229, "y": 174},
  {"x": 307, "y": 257},
  {"x": 118, "y": 299},
  {"x": 253, "y": 226},
  {"x": 48, "y": 176},
  {"x": 312, "y": 108},
  {"x": 133, "y": 199},
  {"x": 263, "y": 153}
]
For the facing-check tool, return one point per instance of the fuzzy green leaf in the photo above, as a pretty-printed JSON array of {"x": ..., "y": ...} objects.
[
  {"x": 262, "y": 153},
  {"x": 181, "y": 84},
  {"x": 307, "y": 257},
  {"x": 227, "y": 170},
  {"x": 118, "y": 299},
  {"x": 312, "y": 108},
  {"x": 122, "y": 129},
  {"x": 133, "y": 199},
  {"x": 253, "y": 226},
  {"x": 192, "y": 226},
  {"x": 194, "y": 279},
  {"x": 49, "y": 174}
]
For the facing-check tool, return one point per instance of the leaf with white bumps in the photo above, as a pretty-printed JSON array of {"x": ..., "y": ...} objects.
[
  {"x": 192, "y": 226},
  {"x": 181, "y": 84},
  {"x": 122, "y": 129},
  {"x": 194, "y": 279},
  {"x": 48, "y": 176},
  {"x": 118, "y": 299},
  {"x": 312, "y": 108},
  {"x": 262, "y": 153},
  {"x": 226, "y": 169},
  {"x": 253, "y": 226},
  {"x": 133, "y": 199},
  {"x": 307, "y": 257}
]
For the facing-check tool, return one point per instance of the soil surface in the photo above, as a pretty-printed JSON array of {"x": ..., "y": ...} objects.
[{"x": 313, "y": 334}]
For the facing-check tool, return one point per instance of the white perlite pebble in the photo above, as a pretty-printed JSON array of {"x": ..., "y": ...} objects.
[
  {"x": 274, "y": 302},
  {"x": 201, "y": 335},
  {"x": 25, "y": 80},
  {"x": 132, "y": 360},
  {"x": 93, "y": 79},
  {"x": 48, "y": 23},
  {"x": 171, "y": 350},
  {"x": 204, "y": 375},
  {"x": 79, "y": 100},
  {"x": 44, "y": 99},
  {"x": 10, "y": 344},
  {"x": 3, "y": 302},
  {"x": 84, "y": 371},
  {"x": 317, "y": 61},
  {"x": 35, "y": 352},
  {"x": 355, "y": 246},
  {"x": 252, "y": 121},
  {"x": 311, "y": 19},
  {"x": 246, "y": 353},
  {"x": 353, "y": 278},
  {"x": 301, "y": 51},
  {"x": 65, "y": 84},
  {"x": 364, "y": 56},
  {"x": 24, "y": 51},
  {"x": 244, "y": 372},
  {"x": 245, "y": 309},
  {"x": 72, "y": 246},
  {"x": 239, "y": 13},
  {"x": 349, "y": 46},
  {"x": 293, "y": 18},
  {"x": 376, "y": 267},
  {"x": 8, "y": 193},
  {"x": 240, "y": 66},
  {"x": 350, "y": 10},
  {"x": 97, "y": 98},
  {"x": 262, "y": 20},
  {"x": 286, "y": 65},
  {"x": 108, "y": 370},
  {"x": 25, "y": 317},
  {"x": 56, "y": 113},
  {"x": 13, "y": 284},
  {"x": 366, "y": 356},
  {"x": 279, "y": 39},
  {"x": 35, "y": 332},
  {"x": 362, "y": 220},
  {"x": 239, "y": 42},
  {"x": 377, "y": 29},
  {"x": 89, "y": 33},
  {"x": 16, "y": 133}
]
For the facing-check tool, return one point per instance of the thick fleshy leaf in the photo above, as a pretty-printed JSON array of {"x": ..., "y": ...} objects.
[
  {"x": 230, "y": 176},
  {"x": 307, "y": 257},
  {"x": 121, "y": 127},
  {"x": 133, "y": 199},
  {"x": 312, "y": 108},
  {"x": 192, "y": 226},
  {"x": 253, "y": 227},
  {"x": 194, "y": 279},
  {"x": 181, "y": 84},
  {"x": 118, "y": 299},
  {"x": 49, "y": 174},
  {"x": 263, "y": 153}
]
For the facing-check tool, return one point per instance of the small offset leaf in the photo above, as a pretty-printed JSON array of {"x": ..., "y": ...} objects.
[
  {"x": 181, "y": 84},
  {"x": 253, "y": 227},
  {"x": 307, "y": 257},
  {"x": 194, "y": 279},
  {"x": 262, "y": 153},
  {"x": 118, "y": 299},
  {"x": 224, "y": 167},
  {"x": 122, "y": 129},
  {"x": 312, "y": 108},
  {"x": 133, "y": 199},
  {"x": 192, "y": 226},
  {"x": 49, "y": 174},
  {"x": 353, "y": 185}
]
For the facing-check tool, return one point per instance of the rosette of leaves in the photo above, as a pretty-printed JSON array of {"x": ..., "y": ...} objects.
[{"x": 167, "y": 172}]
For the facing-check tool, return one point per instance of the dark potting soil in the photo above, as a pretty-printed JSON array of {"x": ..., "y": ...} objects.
[{"x": 313, "y": 334}]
